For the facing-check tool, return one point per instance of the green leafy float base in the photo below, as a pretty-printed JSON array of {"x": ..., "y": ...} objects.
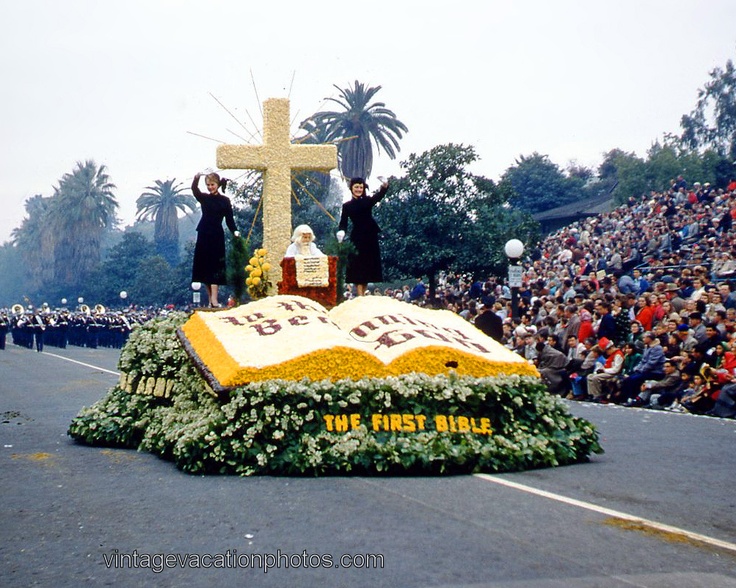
[{"x": 400, "y": 425}]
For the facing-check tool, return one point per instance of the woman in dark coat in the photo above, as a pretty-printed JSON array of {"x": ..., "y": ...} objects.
[
  {"x": 209, "y": 254},
  {"x": 365, "y": 265}
]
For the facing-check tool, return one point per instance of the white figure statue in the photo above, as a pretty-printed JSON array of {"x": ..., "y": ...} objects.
[{"x": 302, "y": 243}]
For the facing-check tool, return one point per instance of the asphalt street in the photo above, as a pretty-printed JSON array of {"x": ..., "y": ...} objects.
[{"x": 73, "y": 515}]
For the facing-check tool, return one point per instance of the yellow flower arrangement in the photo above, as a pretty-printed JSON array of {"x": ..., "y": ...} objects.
[{"x": 257, "y": 280}]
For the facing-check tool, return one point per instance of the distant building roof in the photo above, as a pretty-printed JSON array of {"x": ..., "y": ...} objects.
[{"x": 554, "y": 218}]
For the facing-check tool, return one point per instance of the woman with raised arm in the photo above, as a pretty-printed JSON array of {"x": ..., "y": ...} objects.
[
  {"x": 209, "y": 265},
  {"x": 365, "y": 265}
]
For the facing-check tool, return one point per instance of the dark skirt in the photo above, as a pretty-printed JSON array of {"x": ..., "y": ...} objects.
[
  {"x": 365, "y": 265},
  {"x": 209, "y": 265}
]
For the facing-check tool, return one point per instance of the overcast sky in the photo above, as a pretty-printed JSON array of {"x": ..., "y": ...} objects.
[{"x": 126, "y": 83}]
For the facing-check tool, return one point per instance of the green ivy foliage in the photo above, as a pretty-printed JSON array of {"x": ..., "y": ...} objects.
[{"x": 279, "y": 427}]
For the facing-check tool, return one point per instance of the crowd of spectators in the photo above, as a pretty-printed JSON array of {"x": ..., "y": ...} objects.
[{"x": 635, "y": 306}]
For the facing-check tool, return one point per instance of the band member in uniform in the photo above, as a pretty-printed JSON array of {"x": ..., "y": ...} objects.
[
  {"x": 38, "y": 325},
  {"x": 4, "y": 327}
]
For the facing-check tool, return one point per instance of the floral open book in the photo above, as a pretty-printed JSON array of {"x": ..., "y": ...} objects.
[{"x": 290, "y": 337}]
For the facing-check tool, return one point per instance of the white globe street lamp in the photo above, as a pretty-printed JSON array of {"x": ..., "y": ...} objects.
[
  {"x": 514, "y": 249},
  {"x": 195, "y": 293}
]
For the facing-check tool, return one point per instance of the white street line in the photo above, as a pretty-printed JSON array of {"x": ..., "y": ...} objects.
[
  {"x": 611, "y": 513},
  {"x": 94, "y": 367}
]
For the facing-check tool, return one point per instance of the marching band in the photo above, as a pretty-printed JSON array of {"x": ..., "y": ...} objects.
[{"x": 83, "y": 327}]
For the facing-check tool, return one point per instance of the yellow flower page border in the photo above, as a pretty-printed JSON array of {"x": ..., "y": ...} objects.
[{"x": 291, "y": 337}]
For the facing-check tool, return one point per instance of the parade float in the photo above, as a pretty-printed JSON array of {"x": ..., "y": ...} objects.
[{"x": 286, "y": 385}]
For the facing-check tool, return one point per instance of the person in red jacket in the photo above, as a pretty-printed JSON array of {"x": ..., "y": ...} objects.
[
  {"x": 586, "y": 323},
  {"x": 644, "y": 313}
]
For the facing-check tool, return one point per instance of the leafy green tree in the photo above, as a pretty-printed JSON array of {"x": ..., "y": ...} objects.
[
  {"x": 666, "y": 161},
  {"x": 134, "y": 266},
  {"x": 607, "y": 173},
  {"x": 539, "y": 185},
  {"x": 246, "y": 194},
  {"x": 712, "y": 124},
  {"x": 317, "y": 205},
  {"x": 237, "y": 258},
  {"x": 439, "y": 216},
  {"x": 162, "y": 204},
  {"x": 155, "y": 283},
  {"x": 574, "y": 170},
  {"x": 607, "y": 170},
  {"x": 663, "y": 165},
  {"x": 633, "y": 177},
  {"x": 625, "y": 173},
  {"x": 494, "y": 223},
  {"x": 357, "y": 126},
  {"x": 719, "y": 167},
  {"x": 82, "y": 207},
  {"x": 120, "y": 270},
  {"x": 420, "y": 234}
]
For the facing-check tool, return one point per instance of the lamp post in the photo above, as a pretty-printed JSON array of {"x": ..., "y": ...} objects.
[
  {"x": 514, "y": 250},
  {"x": 195, "y": 293},
  {"x": 123, "y": 296}
]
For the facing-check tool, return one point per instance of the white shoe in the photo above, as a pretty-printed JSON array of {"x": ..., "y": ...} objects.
[{"x": 676, "y": 407}]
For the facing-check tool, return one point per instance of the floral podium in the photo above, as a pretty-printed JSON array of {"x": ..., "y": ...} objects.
[{"x": 325, "y": 295}]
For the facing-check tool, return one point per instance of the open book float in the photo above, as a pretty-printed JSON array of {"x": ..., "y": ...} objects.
[{"x": 290, "y": 337}]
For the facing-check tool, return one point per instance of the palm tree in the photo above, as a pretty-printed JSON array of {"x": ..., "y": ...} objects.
[
  {"x": 82, "y": 207},
  {"x": 357, "y": 127},
  {"x": 35, "y": 242},
  {"x": 161, "y": 205}
]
